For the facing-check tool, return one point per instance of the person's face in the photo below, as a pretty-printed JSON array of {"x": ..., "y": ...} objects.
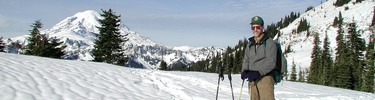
[{"x": 257, "y": 29}]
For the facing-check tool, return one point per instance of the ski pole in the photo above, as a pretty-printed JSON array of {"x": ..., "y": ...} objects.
[
  {"x": 217, "y": 90},
  {"x": 230, "y": 66},
  {"x": 239, "y": 98},
  {"x": 221, "y": 75},
  {"x": 231, "y": 88}
]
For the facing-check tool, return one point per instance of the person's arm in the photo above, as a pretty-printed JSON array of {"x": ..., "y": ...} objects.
[
  {"x": 270, "y": 61},
  {"x": 246, "y": 59}
]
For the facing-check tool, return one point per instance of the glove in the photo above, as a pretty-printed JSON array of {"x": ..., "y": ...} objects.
[
  {"x": 245, "y": 74},
  {"x": 250, "y": 75}
]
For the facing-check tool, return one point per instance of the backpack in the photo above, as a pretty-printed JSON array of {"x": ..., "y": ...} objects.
[{"x": 281, "y": 64}]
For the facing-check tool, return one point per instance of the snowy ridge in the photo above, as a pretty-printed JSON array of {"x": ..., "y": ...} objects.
[
  {"x": 78, "y": 32},
  {"x": 25, "y": 77},
  {"x": 321, "y": 19}
]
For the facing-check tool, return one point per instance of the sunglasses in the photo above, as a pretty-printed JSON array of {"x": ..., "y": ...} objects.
[{"x": 255, "y": 27}]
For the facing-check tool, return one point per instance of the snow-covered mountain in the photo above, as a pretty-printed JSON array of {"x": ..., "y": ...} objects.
[
  {"x": 25, "y": 77},
  {"x": 321, "y": 19},
  {"x": 79, "y": 32}
]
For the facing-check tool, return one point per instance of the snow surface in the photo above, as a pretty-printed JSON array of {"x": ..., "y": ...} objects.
[{"x": 36, "y": 78}]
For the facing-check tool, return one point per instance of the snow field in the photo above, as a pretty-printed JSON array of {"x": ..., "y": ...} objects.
[{"x": 35, "y": 78}]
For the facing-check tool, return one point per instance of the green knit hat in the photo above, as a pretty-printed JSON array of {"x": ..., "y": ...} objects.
[{"x": 257, "y": 20}]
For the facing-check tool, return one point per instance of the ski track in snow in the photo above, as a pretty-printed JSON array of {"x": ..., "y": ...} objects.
[{"x": 36, "y": 78}]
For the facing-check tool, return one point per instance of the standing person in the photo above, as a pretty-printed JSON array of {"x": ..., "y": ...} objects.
[{"x": 259, "y": 62}]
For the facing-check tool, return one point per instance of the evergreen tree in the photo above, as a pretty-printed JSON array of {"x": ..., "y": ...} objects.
[
  {"x": 230, "y": 57},
  {"x": 163, "y": 65},
  {"x": 315, "y": 62},
  {"x": 54, "y": 48},
  {"x": 2, "y": 45},
  {"x": 108, "y": 44},
  {"x": 225, "y": 59},
  {"x": 307, "y": 33},
  {"x": 309, "y": 8},
  {"x": 335, "y": 21},
  {"x": 238, "y": 56},
  {"x": 357, "y": 46},
  {"x": 327, "y": 63},
  {"x": 288, "y": 49},
  {"x": 338, "y": 20},
  {"x": 303, "y": 26},
  {"x": 206, "y": 67},
  {"x": 237, "y": 65},
  {"x": 369, "y": 69},
  {"x": 342, "y": 72},
  {"x": 339, "y": 3},
  {"x": 230, "y": 63},
  {"x": 358, "y": 1},
  {"x": 35, "y": 40},
  {"x": 293, "y": 75},
  {"x": 273, "y": 29},
  {"x": 373, "y": 19},
  {"x": 214, "y": 64},
  {"x": 301, "y": 75},
  {"x": 40, "y": 45},
  {"x": 218, "y": 64},
  {"x": 237, "y": 61}
]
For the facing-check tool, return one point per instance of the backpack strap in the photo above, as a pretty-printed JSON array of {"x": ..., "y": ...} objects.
[
  {"x": 276, "y": 74},
  {"x": 265, "y": 43}
]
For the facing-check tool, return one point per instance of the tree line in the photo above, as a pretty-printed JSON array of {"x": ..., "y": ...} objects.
[
  {"x": 230, "y": 59},
  {"x": 273, "y": 29}
]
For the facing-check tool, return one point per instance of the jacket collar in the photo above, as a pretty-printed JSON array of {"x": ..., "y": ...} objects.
[{"x": 252, "y": 39}]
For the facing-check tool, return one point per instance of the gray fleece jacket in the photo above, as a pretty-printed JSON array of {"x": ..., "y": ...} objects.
[{"x": 261, "y": 58}]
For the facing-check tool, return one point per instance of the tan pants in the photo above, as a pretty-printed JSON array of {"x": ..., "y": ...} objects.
[{"x": 262, "y": 89}]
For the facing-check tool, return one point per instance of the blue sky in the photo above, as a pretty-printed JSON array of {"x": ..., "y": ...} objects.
[{"x": 196, "y": 23}]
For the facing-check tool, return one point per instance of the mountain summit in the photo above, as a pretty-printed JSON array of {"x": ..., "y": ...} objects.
[{"x": 78, "y": 32}]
